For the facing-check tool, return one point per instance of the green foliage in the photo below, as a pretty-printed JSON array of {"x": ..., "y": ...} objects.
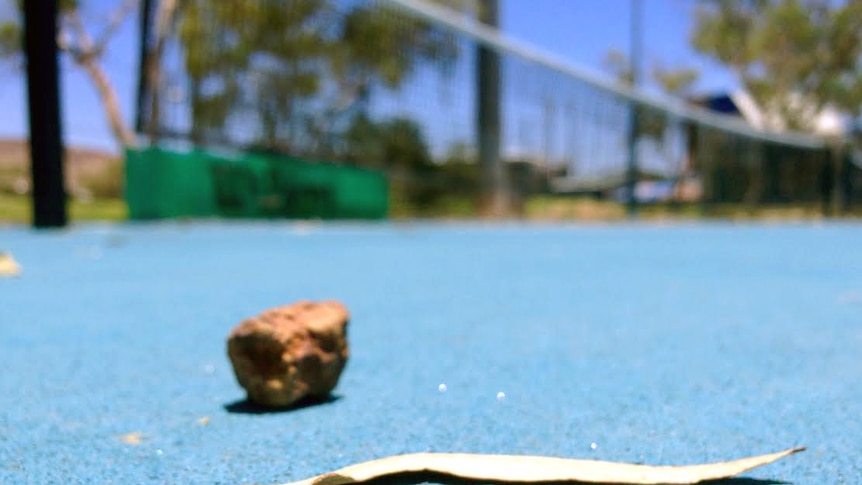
[
  {"x": 10, "y": 39},
  {"x": 673, "y": 81},
  {"x": 419, "y": 186},
  {"x": 297, "y": 66},
  {"x": 11, "y": 31},
  {"x": 405, "y": 144},
  {"x": 676, "y": 82},
  {"x": 364, "y": 143},
  {"x": 398, "y": 147},
  {"x": 215, "y": 38},
  {"x": 390, "y": 145},
  {"x": 617, "y": 63},
  {"x": 794, "y": 56},
  {"x": 379, "y": 44}
]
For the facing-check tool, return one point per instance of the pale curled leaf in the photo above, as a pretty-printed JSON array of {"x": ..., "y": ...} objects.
[
  {"x": 530, "y": 469},
  {"x": 135, "y": 438},
  {"x": 8, "y": 266}
]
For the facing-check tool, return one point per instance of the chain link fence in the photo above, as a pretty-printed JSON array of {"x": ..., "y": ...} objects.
[{"x": 393, "y": 85}]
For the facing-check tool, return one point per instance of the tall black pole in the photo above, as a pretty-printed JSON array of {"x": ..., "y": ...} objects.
[
  {"x": 634, "y": 61},
  {"x": 43, "y": 89},
  {"x": 146, "y": 19},
  {"x": 494, "y": 195}
]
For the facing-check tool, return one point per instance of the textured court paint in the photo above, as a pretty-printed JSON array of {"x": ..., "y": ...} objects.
[{"x": 662, "y": 345}]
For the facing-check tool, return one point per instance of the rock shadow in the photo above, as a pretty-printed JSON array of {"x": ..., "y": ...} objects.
[
  {"x": 416, "y": 478},
  {"x": 244, "y": 406}
]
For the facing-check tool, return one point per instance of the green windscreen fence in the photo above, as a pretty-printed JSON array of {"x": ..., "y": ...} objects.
[{"x": 162, "y": 183}]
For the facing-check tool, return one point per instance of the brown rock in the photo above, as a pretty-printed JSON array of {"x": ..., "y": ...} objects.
[{"x": 290, "y": 352}]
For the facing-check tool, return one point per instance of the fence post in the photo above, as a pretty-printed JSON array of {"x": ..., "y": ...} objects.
[
  {"x": 844, "y": 179},
  {"x": 494, "y": 200},
  {"x": 634, "y": 59},
  {"x": 144, "y": 61},
  {"x": 43, "y": 90}
]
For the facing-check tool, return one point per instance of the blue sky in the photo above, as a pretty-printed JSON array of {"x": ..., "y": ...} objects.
[{"x": 578, "y": 31}]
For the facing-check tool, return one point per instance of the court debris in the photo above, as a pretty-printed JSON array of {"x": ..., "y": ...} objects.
[
  {"x": 289, "y": 353},
  {"x": 135, "y": 438},
  {"x": 539, "y": 469},
  {"x": 8, "y": 266}
]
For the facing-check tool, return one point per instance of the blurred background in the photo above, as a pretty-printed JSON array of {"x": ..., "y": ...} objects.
[{"x": 376, "y": 109}]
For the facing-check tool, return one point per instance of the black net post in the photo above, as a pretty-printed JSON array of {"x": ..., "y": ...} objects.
[
  {"x": 146, "y": 21},
  {"x": 493, "y": 185},
  {"x": 634, "y": 111},
  {"x": 46, "y": 139}
]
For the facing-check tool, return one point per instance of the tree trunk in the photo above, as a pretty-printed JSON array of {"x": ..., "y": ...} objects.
[
  {"x": 122, "y": 133},
  {"x": 164, "y": 21}
]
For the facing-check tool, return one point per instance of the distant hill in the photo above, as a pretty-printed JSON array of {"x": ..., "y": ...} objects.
[{"x": 89, "y": 172}]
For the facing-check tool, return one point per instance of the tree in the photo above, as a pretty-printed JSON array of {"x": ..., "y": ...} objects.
[
  {"x": 676, "y": 82},
  {"x": 381, "y": 46},
  {"x": 85, "y": 50},
  {"x": 298, "y": 68},
  {"x": 397, "y": 144},
  {"x": 206, "y": 54},
  {"x": 617, "y": 63},
  {"x": 10, "y": 39},
  {"x": 793, "y": 56},
  {"x": 398, "y": 147}
]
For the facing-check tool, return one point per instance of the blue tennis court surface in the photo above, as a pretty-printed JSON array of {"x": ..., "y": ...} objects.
[{"x": 663, "y": 345}]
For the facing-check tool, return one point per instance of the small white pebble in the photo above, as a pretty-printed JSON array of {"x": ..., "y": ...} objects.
[
  {"x": 501, "y": 395},
  {"x": 593, "y": 446},
  {"x": 442, "y": 387},
  {"x": 159, "y": 452}
]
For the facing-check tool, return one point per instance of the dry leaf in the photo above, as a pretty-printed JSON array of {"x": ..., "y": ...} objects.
[
  {"x": 8, "y": 265},
  {"x": 132, "y": 438},
  {"x": 525, "y": 469}
]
